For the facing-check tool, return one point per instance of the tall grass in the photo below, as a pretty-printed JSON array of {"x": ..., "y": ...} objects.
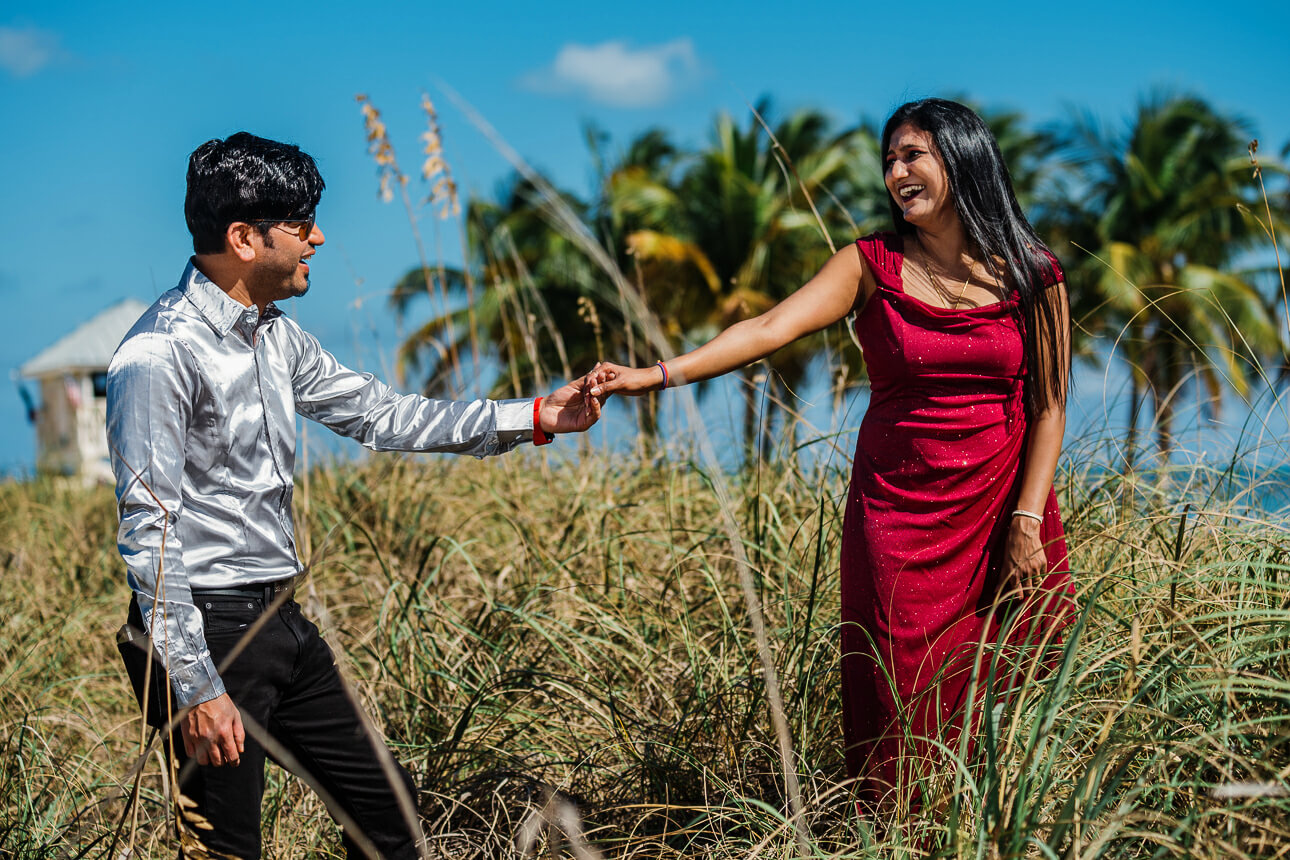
[
  {"x": 536, "y": 636},
  {"x": 578, "y": 654}
]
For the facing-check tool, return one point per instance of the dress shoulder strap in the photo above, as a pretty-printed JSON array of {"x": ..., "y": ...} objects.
[
  {"x": 1053, "y": 273},
  {"x": 884, "y": 252}
]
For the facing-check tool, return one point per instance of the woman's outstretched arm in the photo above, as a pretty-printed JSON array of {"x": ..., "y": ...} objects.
[{"x": 839, "y": 286}]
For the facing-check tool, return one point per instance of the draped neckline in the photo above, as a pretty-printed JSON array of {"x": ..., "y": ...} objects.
[{"x": 898, "y": 287}]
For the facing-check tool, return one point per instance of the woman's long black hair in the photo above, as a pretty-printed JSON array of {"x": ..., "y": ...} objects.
[{"x": 998, "y": 231}]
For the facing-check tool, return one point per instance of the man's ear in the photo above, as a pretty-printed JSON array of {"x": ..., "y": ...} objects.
[{"x": 237, "y": 238}]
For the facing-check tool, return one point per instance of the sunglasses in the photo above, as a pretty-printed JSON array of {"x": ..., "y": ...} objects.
[{"x": 302, "y": 227}]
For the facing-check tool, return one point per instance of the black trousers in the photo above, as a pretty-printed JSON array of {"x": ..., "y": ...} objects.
[{"x": 285, "y": 679}]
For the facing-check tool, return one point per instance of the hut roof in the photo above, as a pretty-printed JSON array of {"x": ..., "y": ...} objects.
[{"x": 90, "y": 345}]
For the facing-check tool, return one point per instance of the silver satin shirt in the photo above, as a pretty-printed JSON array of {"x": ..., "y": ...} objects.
[{"x": 202, "y": 396}]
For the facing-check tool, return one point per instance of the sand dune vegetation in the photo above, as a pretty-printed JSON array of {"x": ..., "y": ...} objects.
[
  {"x": 580, "y": 675},
  {"x": 633, "y": 651}
]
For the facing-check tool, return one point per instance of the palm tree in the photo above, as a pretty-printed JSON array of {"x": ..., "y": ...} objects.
[
  {"x": 532, "y": 276},
  {"x": 1165, "y": 211},
  {"x": 635, "y": 193},
  {"x": 704, "y": 240},
  {"x": 545, "y": 306},
  {"x": 736, "y": 233}
]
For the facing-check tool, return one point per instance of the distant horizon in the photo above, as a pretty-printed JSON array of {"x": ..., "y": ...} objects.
[{"x": 1255, "y": 439}]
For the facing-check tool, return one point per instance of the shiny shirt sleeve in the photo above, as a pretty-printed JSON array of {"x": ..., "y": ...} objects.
[
  {"x": 360, "y": 406},
  {"x": 152, "y": 385}
]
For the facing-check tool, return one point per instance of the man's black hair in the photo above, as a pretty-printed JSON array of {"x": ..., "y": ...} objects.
[{"x": 247, "y": 178}]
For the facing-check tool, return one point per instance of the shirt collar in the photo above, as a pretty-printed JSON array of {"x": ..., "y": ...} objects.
[{"x": 216, "y": 307}]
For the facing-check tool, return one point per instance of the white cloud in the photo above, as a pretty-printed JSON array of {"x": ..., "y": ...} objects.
[
  {"x": 26, "y": 50},
  {"x": 615, "y": 74}
]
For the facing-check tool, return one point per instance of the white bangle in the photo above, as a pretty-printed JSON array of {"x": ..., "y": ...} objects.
[{"x": 1020, "y": 513}]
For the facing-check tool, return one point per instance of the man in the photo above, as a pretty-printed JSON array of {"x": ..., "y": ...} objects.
[{"x": 202, "y": 398}]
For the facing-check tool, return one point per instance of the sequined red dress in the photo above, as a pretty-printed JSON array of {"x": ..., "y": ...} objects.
[{"x": 936, "y": 476}]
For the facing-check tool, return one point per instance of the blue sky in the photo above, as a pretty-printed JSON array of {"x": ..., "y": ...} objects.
[{"x": 103, "y": 102}]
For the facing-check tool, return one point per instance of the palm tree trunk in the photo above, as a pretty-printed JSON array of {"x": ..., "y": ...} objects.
[
  {"x": 1131, "y": 434},
  {"x": 1139, "y": 355},
  {"x": 1170, "y": 373},
  {"x": 647, "y": 424},
  {"x": 750, "y": 415},
  {"x": 772, "y": 396}
]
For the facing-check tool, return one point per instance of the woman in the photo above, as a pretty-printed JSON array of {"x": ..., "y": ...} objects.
[{"x": 952, "y": 529}]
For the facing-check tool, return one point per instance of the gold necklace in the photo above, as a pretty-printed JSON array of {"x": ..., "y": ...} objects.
[{"x": 939, "y": 287}]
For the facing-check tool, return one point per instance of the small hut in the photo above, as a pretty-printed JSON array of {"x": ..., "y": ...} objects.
[{"x": 71, "y": 422}]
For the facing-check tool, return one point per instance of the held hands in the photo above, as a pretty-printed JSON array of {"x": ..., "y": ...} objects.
[
  {"x": 1024, "y": 561},
  {"x": 213, "y": 732},
  {"x": 571, "y": 408},
  {"x": 607, "y": 378}
]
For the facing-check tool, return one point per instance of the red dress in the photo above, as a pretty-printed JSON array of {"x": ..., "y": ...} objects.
[{"x": 936, "y": 476}]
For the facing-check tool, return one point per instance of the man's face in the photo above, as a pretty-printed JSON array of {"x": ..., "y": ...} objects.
[{"x": 282, "y": 260}]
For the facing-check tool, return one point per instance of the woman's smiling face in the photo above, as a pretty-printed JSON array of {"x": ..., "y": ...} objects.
[{"x": 916, "y": 178}]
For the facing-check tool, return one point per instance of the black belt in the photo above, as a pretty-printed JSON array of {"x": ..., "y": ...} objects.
[{"x": 266, "y": 591}]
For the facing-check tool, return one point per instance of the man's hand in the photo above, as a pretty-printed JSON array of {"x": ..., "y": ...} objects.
[
  {"x": 213, "y": 732},
  {"x": 569, "y": 409}
]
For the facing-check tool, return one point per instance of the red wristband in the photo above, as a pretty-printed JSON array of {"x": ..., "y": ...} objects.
[{"x": 539, "y": 438}]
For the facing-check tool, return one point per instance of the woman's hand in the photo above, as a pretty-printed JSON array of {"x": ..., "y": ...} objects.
[
  {"x": 610, "y": 378},
  {"x": 1024, "y": 562}
]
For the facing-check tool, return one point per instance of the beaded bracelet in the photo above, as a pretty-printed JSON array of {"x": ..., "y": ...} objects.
[{"x": 1028, "y": 514}]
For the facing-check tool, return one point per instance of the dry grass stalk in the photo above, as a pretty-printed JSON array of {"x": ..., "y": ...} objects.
[
  {"x": 382, "y": 151},
  {"x": 443, "y": 193}
]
